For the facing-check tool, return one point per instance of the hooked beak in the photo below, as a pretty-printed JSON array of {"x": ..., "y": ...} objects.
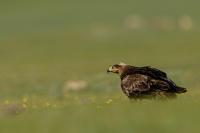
[{"x": 109, "y": 69}]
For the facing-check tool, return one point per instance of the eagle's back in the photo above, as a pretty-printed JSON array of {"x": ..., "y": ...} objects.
[{"x": 147, "y": 70}]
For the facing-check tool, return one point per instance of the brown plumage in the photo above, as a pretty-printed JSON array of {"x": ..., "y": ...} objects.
[{"x": 143, "y": 82}]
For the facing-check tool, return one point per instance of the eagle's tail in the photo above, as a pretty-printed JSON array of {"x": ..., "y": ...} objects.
[{"x": 180, "y": 89}]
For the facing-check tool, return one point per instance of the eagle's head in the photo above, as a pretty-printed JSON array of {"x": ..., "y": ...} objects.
[{"x": 117, "y": 68}]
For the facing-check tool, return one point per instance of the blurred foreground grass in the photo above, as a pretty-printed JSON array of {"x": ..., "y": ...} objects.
[{"x": 44, "y": 44}]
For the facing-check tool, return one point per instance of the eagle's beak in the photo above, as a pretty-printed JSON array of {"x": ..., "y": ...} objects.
[{"x": 109, "y": 69}]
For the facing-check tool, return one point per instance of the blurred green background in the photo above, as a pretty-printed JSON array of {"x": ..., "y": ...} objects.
[{"x": 54, "y": 56}]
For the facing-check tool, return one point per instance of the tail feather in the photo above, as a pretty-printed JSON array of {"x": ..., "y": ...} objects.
[{"x": 180, "y": 89}]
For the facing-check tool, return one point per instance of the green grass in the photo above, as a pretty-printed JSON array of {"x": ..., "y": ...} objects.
[{"x": 44, "y": 43}]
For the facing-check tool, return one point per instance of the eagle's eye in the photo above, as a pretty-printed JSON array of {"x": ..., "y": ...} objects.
[{"x": 116, "y": 66}]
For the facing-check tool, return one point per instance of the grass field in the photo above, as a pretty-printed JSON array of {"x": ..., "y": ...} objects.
[{"x": 44, "y": 44}]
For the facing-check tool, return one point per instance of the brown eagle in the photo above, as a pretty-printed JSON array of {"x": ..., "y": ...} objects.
[{"x": 145, "y": 82}]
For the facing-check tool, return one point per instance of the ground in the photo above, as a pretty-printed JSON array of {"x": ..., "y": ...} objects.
[{"x": 44, "y": 44}]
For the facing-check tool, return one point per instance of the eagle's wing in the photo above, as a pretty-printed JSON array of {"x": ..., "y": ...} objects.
[
  {"x": 135, "y": 84},
  {"x": 156, "y": 74},
  {"x": 153, "y": 72},
  {"x": 150, "y": 72},
  {"x": 137, "y": 80}
]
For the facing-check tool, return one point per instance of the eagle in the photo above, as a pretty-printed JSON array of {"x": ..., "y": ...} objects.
[{"x": 145, "y": 82}]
